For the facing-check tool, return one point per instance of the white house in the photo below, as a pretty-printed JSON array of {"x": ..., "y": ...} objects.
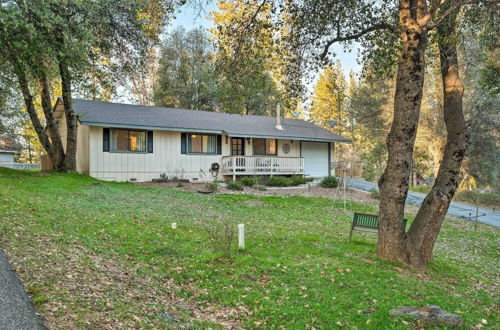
[
  {"x": 123, "y": 142},
  {"x": 7, "y": 156}
]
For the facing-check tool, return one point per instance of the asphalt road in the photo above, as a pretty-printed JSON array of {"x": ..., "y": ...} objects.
[
  {"x": 16, "y": 310},
  {"x": 456, "y": 209}
]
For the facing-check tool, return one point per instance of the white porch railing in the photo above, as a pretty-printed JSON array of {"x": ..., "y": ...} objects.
[{"x": 261, "y": 165}]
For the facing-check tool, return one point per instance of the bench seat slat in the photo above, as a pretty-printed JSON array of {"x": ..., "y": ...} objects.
[{"x": 368, "y": 223}]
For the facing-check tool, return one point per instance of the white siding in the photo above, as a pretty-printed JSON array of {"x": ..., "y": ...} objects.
[
  {"x": 6, "y": 157},
  {"x": 166, "y": 158},
  {"x": 294, "y": 148}
]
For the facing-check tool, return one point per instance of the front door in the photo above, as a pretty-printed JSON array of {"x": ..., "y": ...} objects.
[
  {"x": 238, "y": 149},
  {"x": 237, "y": 146}
]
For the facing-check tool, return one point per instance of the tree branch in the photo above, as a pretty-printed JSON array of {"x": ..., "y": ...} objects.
[
  {"x": 451, "y": 8},
  {"x": 380, "y": 26}
]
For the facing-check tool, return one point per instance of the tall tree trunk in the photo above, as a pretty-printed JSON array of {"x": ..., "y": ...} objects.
[
  {"x": 30, "y": 106},
  {"x": 51, "y": 123},
  {"x": 393, "y": 183},
  {"x": 415, "y": 247},
  {"x": 425, "y": 229},
  {"x": 71, "y": 118}
]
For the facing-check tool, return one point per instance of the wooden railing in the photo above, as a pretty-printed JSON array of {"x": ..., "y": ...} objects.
[{"x": 263, "y": 165}]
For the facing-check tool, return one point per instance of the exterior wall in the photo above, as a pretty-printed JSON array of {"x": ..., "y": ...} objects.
[
  {"x": 6, "y": 157},
  {"x": 333, "y": 156},
  {"x": 294, "y": 148},
  {"x": 82, "y": 148},
  {"x": 166, "y": 158}
]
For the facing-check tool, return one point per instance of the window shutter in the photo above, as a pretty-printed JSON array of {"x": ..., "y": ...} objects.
[
  {"x": 219, "y": 144},
  {"x": 150, "y": 142},
  {"x": 105, "y": 139},
  {"x": 183, "y": 143}
]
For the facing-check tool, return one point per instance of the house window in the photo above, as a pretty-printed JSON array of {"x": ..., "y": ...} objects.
[
  {"x": 264, "y": 147},
  {"x": 202, "y": 144},
  {"x": 127, "y": 140}
]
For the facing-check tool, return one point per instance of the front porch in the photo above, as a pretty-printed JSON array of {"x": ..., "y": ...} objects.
[{"x": 262, "y": 165}]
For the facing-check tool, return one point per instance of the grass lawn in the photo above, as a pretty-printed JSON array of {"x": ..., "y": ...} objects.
[{"x": 104, "y": 256}]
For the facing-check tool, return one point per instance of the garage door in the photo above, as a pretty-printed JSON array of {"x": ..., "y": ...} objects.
[{"x": 315, "y": 158}]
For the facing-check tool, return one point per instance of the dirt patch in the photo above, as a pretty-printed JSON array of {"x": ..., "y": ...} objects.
[{"x": 317, "y": 191}]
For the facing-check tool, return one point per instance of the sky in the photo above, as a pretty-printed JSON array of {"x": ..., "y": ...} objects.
[{"x": 190, "y": 18}]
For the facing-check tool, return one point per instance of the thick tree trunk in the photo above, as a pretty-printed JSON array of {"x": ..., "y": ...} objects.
[
  {"x": 71, "y": 118},
  {"x": 425, "y": 229},
  {"x": 30, "y": 107},
  {"x": 51, "y": 123},
  {"x": 415, "y": 247},
  {"x": 393, "y": 183}
]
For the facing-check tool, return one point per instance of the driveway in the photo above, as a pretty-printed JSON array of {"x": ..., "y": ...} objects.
[
  {"x": 456, "y": 209},
  {"x": 16, "y": 310}
]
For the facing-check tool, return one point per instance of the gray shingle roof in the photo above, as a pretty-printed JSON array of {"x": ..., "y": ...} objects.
[{"x": 97, "y": 113}]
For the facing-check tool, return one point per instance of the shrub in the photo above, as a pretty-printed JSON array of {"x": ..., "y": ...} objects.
[
  {"x": 248, "y": 182},
  {"x": 374, "y": 193},
  {"x": 279, "y": 181},
  {"x": 330, "y": 182},
  {"x": 260, "y": 187},
  {"x": 297, "y": 180},
  {"x": 234, "y": 185},
  {"x": 213, "y": 186},
  {"x": 221, "y": 233}
]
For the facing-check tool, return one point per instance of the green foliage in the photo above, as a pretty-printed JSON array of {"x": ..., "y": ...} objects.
[
  {"x": 279, "y": 181},
  {"x": 329, "y": 182},
  {"x": 234, "y": 185},
  {"x": 329, "y": 101},
  {"x": 260, "y": 187},
  {"x": 488, "y": 199},
  {"x": 186, "y": 77},
  {"x": 213, "y": 186},
  {"x": 298, "y": 180},
  {"x": 374, "y": 193},
  {"x": 248, "y": 181}
]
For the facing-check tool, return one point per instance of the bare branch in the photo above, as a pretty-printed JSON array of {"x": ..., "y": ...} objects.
[
  {"x": 252, "y": 20},
  {"x": 452, "y": 6},
  {"x": 376, "y": 27}
]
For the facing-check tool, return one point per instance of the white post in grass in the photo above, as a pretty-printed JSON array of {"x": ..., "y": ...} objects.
[
  {"x": 174, "y": 225},
  {"x": 241, "y": 236}
]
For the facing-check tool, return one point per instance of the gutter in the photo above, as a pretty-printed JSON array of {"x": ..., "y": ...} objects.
[{"x": 192, "y": 130}]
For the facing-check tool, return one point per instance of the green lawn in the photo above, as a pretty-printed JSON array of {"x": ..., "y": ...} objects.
[{"x": 104, "y": 256}]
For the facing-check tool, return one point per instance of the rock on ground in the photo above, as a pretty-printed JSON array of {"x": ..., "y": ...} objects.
[{"x": 429, "y": 314}]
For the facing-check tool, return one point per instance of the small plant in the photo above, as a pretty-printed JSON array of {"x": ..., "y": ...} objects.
[
  {"x": 213, "y": 186},
  {"x": 234, "y": 185},
  {"x": 248, "y": 182},
  {"x": 330, "y": 182},
  {"x": 260, "y": 187},
  {"x": 221, "y": 233},
  {"x": 297, "y": 180},
  {"x": 163, "y": 176},
  {"x": 279, "y": 181},
  {"x": 374, "y": 193}
]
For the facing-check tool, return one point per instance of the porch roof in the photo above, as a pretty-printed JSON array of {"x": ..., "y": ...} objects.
[{"x": 97, "y": 113}]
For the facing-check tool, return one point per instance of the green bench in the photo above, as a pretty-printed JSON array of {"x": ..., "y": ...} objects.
[{"x": 367, "y": 222}]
